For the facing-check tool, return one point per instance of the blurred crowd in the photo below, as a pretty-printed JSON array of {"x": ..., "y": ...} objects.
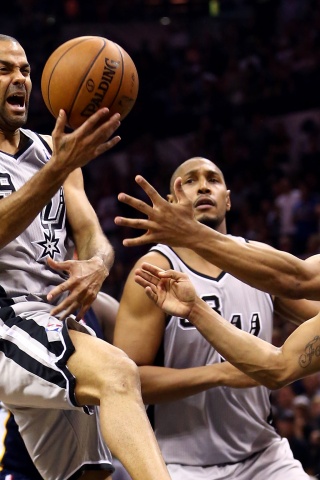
[{"x": 234, "y": 81}]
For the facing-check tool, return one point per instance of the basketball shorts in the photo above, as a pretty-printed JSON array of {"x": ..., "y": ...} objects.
[
  {"x": 62, "y": 438},
  {"x": 274, "y": 463}
]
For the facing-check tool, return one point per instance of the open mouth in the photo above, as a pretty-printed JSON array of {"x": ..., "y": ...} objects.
[
  {"x": 16, "y": 100},
  {"x": 205, "y": 202}
]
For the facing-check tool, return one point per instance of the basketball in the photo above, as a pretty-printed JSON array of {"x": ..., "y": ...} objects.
[{"x": 87, "y": 73}]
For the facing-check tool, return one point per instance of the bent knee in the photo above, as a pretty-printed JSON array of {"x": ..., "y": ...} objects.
[{"x": 125, "y": 375}]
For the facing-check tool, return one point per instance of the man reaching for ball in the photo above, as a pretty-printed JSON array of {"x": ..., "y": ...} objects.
[{"x": 54, "y": 373}]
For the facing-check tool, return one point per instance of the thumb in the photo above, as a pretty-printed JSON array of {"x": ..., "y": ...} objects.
[
  {"x": 173, "y": 274},
  {"x": 58, "y": 265},
  {"x": 60, "y": 123},
  {"x": 178, "y": 190}
]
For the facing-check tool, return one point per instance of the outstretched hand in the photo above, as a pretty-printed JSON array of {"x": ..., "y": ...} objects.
[
  {"x": 91, "y": 139},
  {"x": 166, "y": 222},
  {"x": 170, "y": 290}
]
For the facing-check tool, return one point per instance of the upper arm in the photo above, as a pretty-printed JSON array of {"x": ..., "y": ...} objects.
[
  {"x": 140, "y": 323},
  {"x": 298, "y": 278},
  {"x": 296, "y": 311},
  {"x": 80, "y": 213}
]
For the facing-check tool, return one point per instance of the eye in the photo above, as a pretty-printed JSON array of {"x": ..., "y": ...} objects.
[{"x": 25, "y": 72}]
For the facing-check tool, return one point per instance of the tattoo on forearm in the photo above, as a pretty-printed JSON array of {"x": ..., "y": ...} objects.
[{"x": 312, "y": 350}]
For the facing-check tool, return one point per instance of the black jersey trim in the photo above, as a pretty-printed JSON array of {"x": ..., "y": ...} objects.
[
  {"x": 154, "y": 249},
  {"x": 44, "y": 143},
  {"x": 25, "y": 147},
  {"x": 215, "y": 279},
  {"x": 31, "y": 327}
]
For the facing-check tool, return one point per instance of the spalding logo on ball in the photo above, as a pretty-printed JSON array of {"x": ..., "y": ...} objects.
[{"x": 87, "y": 73}]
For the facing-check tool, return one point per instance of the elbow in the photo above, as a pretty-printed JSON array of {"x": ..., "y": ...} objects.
[
  {"x": 274, "y": 382},
  {"x": 275, "y": 373}
]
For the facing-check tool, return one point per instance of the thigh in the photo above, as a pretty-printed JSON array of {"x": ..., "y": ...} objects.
[{"x": 274, "y": 463}]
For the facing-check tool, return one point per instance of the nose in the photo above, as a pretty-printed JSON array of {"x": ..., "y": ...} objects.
[
  {"x": 204, "y": 186},
  {"x": 18, "y": 77}
]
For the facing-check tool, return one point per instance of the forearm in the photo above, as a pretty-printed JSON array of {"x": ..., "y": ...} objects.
[
  {"x": 161, "y": 384},
  {"x": 20, "y": 208},
  {"x": 260, "y": 360},
  {"x": 94, "y": 245},
  {"x": 268, "y": 269}
]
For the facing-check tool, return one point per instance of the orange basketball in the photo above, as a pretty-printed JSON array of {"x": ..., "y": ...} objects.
[{"x": 87, "y": 73}]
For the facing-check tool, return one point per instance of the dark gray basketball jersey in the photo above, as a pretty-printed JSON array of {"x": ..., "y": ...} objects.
[
  {"x": 23, "y": 267},
  {"x": 221, "y": 425}
]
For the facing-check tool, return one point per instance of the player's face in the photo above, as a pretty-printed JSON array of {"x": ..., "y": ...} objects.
[
  {"x": 15, "y": 86},
  {"x": 203, "y": 183}
]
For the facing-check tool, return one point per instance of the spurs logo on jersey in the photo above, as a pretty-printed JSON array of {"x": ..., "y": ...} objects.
[
  {"x": 46, "y": 235},
  {"x": 52, "y": 220}
]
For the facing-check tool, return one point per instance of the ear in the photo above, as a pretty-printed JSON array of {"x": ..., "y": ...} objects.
[
  {"x": 170, "y": 198},
  {"x": 228, "y": 201}
]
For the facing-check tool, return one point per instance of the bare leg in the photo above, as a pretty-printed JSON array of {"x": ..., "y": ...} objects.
[{"x": 106, "y": 376}]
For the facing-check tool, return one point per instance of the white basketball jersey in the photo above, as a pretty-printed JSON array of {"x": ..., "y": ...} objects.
[
  {"x": 220, "y": 425},
  {"x": 23, "y": 267}
]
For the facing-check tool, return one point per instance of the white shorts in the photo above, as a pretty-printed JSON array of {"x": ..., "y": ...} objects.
[
  {"x": 62, "y": 438},
  {"x": 274, "y": 463}
]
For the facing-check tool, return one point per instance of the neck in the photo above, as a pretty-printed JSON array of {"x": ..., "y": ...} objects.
[
  {"x": 10, "y": 141},
  {"x": 195, "y": 261}
]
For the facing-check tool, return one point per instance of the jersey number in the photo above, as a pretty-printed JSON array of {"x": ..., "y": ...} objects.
[{"x": 214, "y": 302}]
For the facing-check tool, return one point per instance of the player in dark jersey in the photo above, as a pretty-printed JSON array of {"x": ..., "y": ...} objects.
[
  {"x": 208, "y": 423},
  {"x": 69, "y": 391}
]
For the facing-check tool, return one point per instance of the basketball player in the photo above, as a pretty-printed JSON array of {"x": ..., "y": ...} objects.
[
  {"x": 274, "y": 367},
  {"x": 208, "y": 423},
  {"x": 15, "y": 462},
  {"x": 54, "y": 371},
  {"x": 255, "y": 263}
]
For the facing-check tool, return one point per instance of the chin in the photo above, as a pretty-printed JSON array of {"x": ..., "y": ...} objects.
[
  {"x": 18, "y": 122},
  {"x": 209, "y": 221}
]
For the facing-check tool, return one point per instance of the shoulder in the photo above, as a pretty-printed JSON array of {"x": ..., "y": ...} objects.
[
  {"x": 155, "y": 257},
  {"x": 47, "y": 139},
  {"x": 131, "y": 286}
]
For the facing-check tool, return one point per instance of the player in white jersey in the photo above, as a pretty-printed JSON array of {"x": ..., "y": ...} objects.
[
  {"x": 208, "y": 422},
  {"x": 15, "y": 462},
  {"x": 55, "y": 373}
]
